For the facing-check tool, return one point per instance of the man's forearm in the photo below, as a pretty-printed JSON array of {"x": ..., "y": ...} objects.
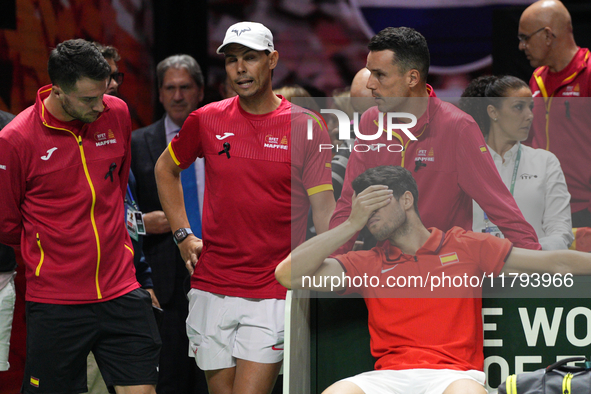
[
  {"x": 553, "y": 262},
  {"x": 323, "y": 205},
  {"x": 310, "y": 255},
  {"x": 156, "y": 222},
  {"x": 170, "y": 192}
]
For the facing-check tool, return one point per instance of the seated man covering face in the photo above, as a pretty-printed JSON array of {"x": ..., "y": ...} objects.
[{"x": 422, "y": 345}]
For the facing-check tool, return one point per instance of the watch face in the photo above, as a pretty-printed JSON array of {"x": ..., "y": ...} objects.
[{"x": 180, "y": 234}]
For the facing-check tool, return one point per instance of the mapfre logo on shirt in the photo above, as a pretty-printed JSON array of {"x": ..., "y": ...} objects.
[
  {"x": 105, "y": 137},
  {"x": 276, "y": 142},
  {"x": 425, "y": 155},
  {"x": 572, "y": 91}
]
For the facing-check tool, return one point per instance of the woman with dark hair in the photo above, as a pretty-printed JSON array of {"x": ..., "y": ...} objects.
[{"x": 502, "y": 107}]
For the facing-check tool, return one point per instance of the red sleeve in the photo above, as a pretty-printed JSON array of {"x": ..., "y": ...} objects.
[
  {"x": 186, "y": 145},
  {"x": 13, "y": 184},
  {"x": 491, "y": 252},
  {"x": 479, "y": 178},
  {"x": 357, "y": 264},
  {"x": 316, "y": 173},
  {"x": 494, "y": 253}
]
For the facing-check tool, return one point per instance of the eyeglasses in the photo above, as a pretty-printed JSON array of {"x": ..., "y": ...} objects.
[
  {"x": 117, "y": 77},
  {"x": 523, "y": 38}
]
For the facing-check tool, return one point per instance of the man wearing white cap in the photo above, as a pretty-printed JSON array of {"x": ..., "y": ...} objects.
[{"x": 262, "y": 176}]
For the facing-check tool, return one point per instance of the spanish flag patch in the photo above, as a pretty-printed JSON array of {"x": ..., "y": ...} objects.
[
  {"x": 449, "y": 258},
  {"x": 34, "y": 382},
  {"x": 483, "y": 148}
]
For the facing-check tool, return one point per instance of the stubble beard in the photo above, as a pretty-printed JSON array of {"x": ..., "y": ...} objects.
[
  {"x": 68, "y": 108},
  {"x": 395, "y": 229}
]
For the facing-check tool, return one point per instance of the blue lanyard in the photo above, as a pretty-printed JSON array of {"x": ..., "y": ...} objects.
[{"x": 129, "y": 198}]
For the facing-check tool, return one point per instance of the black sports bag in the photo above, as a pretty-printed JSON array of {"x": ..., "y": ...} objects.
[{"x": 555, "y": 379}]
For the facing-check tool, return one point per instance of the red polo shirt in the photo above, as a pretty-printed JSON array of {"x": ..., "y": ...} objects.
[{"x": 435, "y": 333}]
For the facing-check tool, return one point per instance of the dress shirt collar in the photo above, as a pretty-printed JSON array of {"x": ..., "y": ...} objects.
[
  {"x": 171, "y": 128},
  {"x": 510, "y": 155}
]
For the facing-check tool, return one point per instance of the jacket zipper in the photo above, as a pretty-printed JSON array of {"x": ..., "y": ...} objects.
[{"x": 92, "y": 219}]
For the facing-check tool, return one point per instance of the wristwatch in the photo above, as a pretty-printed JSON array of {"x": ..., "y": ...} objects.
[{"x": 180, "y": 235}]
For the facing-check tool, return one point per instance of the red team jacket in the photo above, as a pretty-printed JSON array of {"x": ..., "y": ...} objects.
[
  {"x": 562, "y": 122},
  {"x": 63, "y": 185},
  {"x": 451, "y": 166}
]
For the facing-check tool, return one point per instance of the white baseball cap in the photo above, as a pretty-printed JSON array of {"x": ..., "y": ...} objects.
[{"x": 250, "y": 34}]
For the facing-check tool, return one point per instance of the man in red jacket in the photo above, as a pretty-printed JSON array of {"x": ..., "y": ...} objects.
[
  {"x": 447, "y": 154},
  {"x": 561, "y": 86},
  {"x": 64, "y": 165}
]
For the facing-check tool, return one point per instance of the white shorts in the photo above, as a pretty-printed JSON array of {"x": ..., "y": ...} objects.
[
  {"x": 416, "y": 381},
  {"x": 7, "y": 299},
  {"x": 223, "y": 328}
]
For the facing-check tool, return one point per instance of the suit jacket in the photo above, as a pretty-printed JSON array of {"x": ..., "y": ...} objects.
[
  {"x": 5, "y": 118},
  {"x": 162, "y": 254}
]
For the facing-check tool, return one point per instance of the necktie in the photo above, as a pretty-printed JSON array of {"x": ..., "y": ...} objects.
[{"x": 189, "y": 182}]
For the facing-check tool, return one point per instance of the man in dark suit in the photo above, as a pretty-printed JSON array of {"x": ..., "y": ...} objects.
[
  {"x": 180, "y": 84},
  {"x": 5, "y": 118}
]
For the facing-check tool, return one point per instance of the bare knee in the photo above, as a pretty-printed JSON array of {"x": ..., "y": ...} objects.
[
  {"x": 143, "y": 389},
  {"x": 220, "y": 381},
  {"x": 255, "y": 378},
  {"x": 343, "y": 387},
  {"x": 465, "y": 386}
]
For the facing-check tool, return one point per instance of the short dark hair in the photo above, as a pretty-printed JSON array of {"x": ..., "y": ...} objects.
[
  {"x": 108, "y": 51},
  {"x": 398, "y": 179},
  {"x": 73, "y": 60},
  {"x": 409, "y": 47},
  {"x": 488, "y": 89},
  {"x": 180, "y": 61}
]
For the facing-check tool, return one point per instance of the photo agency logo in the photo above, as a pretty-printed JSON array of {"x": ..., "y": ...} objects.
[{"x": 345, "y": 126}]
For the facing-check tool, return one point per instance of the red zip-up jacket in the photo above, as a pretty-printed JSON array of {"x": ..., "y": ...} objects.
[
  {"x": 451, "y": 166},
  {"x": 562, "y": 122},
  {"x": 61, "y": 204}
]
